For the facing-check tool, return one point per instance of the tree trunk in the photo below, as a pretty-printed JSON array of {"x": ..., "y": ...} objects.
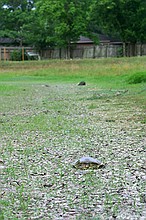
[
  {"x": 128, "y": 49},
  {"x": 0, "y": 54},
  {"x": 106, "y": 48},
  {"x": 131, "y": 49},
  {"x": 68, "y": 50},
  {"x": 141, "y": 51},
  {"x": 60, "y": 53},
  {"x": 124, "y": 49},
  {"x": 94, "y": 48}
]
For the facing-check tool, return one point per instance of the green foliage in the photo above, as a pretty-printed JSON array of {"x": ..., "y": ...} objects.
[
  {"x": 13, "y": 15},
  {"x": 127, "y": 18},
  {"x": 1, "y": 215},
  {"x": 16, "y": 55},
  {"x": 139, "y": 77},
  {"x": 49, "y": 23},
  {"x": 64, "y": 21},
  {"x": 120, "y": 52}
]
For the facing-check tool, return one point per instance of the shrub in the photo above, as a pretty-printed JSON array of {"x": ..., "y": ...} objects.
[
  {"x": 120, "y": 52},
  {"x": 16, "y": 55},
  {"x": 139, "y": 77}
]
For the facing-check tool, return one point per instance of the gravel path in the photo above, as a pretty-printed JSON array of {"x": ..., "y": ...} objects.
[{"x": 46, "y": 127}]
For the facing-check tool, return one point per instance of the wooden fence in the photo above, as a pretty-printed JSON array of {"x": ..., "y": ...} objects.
[
  {"x": 5, "y": 52},
  {"x": 100, "y": 51},
  {"x": 84, "y": 52}
]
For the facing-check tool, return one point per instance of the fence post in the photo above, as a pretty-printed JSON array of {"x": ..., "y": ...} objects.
[
  {"x": 106, "y": 53},
  {"x": 5, "y": 54},
  {"x": 141, "y": 49},
  {"x": 22, "y": 53},
  {"x": 0, "y": 53},
  {"x": 94, "y": 52}
]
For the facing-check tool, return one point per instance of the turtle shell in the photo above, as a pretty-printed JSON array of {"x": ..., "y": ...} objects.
[{"x": 87, "y": 163}]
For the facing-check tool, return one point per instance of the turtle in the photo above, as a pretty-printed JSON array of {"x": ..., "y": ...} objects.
[
  {"x": 82, "y": 83},
  {"x": 87, "y": 163}
]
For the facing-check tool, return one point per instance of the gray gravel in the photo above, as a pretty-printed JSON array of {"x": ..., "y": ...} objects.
[{"x": 44, "y": 129}]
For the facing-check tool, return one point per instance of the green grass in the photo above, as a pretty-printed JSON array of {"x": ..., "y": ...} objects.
[
  {"x": 111, "y": 71},
  {"x": 47, "y": 122},
  {"x": 139, "y": 77}
]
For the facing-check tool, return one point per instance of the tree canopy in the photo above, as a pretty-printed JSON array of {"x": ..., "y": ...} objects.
[
  {"x": 13, "y": 16},
  {"x": 43, "y": 23},
  {"x": 125, "y": 17},
  {"x": 63, "y": 21}
]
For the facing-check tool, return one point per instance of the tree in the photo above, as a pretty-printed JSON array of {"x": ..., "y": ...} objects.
[
  {"x": 12, "y": 5},
  {"x": 64, "y": 21},
  {"x": 125, "y": 17},
  {"x": 13, "y": 15},
  {"x": 36, "y": 32}
]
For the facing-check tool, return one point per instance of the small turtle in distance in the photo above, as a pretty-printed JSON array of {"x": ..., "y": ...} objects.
[
  {"x": 82, "y": 83},
  {"x": 87, "y": 163}
]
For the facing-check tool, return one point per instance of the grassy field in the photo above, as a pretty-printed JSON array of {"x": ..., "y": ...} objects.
[{"x": 47, "y": 122}]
